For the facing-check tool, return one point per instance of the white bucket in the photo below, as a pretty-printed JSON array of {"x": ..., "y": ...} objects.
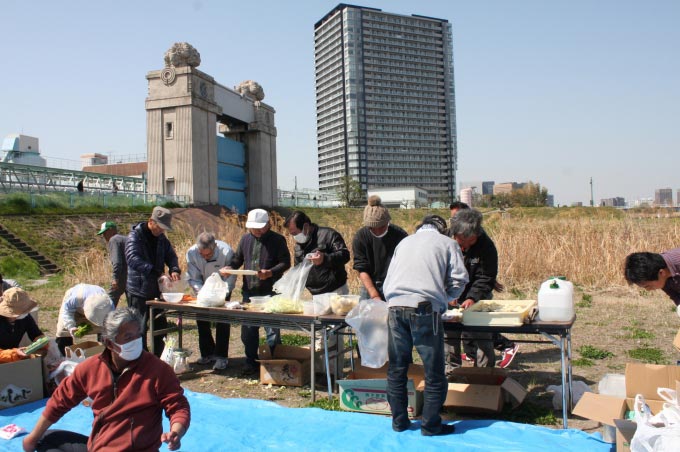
[{"x": 556, "y": 300}]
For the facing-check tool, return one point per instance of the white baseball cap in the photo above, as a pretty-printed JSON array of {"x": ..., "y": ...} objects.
[{"x": 257, "y": 218}]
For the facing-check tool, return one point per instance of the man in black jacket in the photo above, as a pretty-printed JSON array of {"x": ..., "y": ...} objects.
[
  {"x": 266, "y": 252},
  {"x": 325, "y": 248}
]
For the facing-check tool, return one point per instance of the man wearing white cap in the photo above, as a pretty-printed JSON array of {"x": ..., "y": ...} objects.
[
  {"x": 265, "y": 251},
  {"x": 15, "y": 319},
  {"x": 115, "y": 243},
  {"x": 147, "y": 252},
  {"x": 83, "y": 304}
]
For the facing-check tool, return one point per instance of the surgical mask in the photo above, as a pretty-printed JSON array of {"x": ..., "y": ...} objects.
[
  {"x": 22, "y": 316},
  {"x": 381, "y": 235},
  {"x": 301, "y": 237},
  {"x": 132, "y": 350}
]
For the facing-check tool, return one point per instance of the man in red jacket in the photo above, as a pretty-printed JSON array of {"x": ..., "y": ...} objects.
[{"x": 129, "y": 388}]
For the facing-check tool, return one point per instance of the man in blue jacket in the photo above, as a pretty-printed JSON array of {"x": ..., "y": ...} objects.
[{"x": 147, "y": 252}]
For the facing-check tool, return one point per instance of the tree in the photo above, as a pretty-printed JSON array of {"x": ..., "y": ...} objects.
[{"x": 350, "y": 192}]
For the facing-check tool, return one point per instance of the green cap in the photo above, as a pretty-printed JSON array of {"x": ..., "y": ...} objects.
[{"x": 106, "y": 226}]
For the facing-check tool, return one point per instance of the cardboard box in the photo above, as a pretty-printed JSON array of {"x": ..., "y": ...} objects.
[
  {"x": 84, "y": 349},
  {"x": 482, "y": 390},
  {"x": 21, "y": 382},
  {"x": 365, "y": 390},
  {"x": 289, "y": 366},
  {"x": 642, "y": 379}
]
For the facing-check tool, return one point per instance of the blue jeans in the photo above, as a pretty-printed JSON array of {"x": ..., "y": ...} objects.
[{"x": 423, "y": 328}]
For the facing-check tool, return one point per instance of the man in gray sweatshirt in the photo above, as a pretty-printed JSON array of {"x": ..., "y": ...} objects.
[{"x": 426, "y": 273}]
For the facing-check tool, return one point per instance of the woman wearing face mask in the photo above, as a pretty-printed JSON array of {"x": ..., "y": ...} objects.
[
  {"x": 373, "y": 247},
  {"x": 15, "y": 318},
  {"x": 325, "y": 248},
  {"x": 129, "y": 389}
]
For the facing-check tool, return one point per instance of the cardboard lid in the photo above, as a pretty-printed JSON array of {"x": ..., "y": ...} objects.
[
  {"x": 600, "y": 408},
  {"x": 645, "y": 379}
]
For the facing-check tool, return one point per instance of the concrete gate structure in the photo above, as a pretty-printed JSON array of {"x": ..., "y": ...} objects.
[{"x": 186, "y": 108}]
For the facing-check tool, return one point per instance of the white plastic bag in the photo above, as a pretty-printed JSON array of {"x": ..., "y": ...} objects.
[
  {"x": 293, "y": 282},
  {"x": 650, "y": 437},
  {"x": 369, "y": 320},
  {"x": 168, "y": 351},
  {"x": 578, "y": 389},
  {"x": 214, "y": 292}
]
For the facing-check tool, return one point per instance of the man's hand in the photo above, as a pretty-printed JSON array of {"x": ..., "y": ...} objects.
[
  {"x": 72, "y": 332},
  {"x": 172, "y": 439},
  {"x": 114, "y": 285},
  {"x": 374, "y": 294},
  {"x": 467, "y": 303},
  {"x": 316, "y": 257},
  {"x": 498, "y": 287},
  {"x": 264, "y": 274},
  {"x": 453, "y": 303},
  {"x": 224, "y": 271},
  {"x": 29, "y": 443},
  {"x": 174, "y": 276},
  {"x": 21, "y": 354}
]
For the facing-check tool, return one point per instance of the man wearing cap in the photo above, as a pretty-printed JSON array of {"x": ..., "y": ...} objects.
[
  {"x": 265, "y": 251},
  {"x": 325, "y": 248},
  {"x": 15, "y": 318},
  {"x": 204, "y": 258},
  {"x": 426, "y": 273},
  {"x": 147, "y": 252},
  {"x": 373, "y": 247},
  {"x": 83, "y": 304},
  {"x": 115, "y": 243}
]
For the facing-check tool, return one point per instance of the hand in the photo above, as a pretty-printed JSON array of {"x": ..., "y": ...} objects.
[
  {"x": 72, "y": 332},
  {"x": 174, "y": 276},
  {"x": 264, "y": 274},
  {"x": 317, "y": 258},
  {"x": 453, "y": 303},
  {"x": 374, "y": 294},
  {"x": 467, "y": 303},
  {"x": 21, "y": 353},
  {"x": 114, "y": 285},
  {"x": 29, "y": 443},
  {"x": 498, "y": 287},
  {"x": 173, "y": 440},
  {"x": 224, "y": 271}
]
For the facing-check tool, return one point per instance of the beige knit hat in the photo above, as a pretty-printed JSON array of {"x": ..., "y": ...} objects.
[{"x": 375, "y": 214}]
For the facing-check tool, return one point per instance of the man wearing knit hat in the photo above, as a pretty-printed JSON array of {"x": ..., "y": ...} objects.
[{"x": 373, "y": 247}]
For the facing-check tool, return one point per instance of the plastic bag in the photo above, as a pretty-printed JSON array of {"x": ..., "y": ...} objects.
[
  {"x": 650, "y": 437},
  {"x": 369, "y": 320},
  {"x": 65, "y": 369},
  {"x": 168, "y": 351},
  {"x": 293, "y": 283},
  {"x": 167, "y": 285},
  {"x": 214, "y": 292},
  {"x": 578, "y": 388}
]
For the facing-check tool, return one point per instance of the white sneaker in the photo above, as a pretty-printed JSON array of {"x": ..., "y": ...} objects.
[
  {"x": 205, "y": 360},
  {"x": 220, "y": 364}
]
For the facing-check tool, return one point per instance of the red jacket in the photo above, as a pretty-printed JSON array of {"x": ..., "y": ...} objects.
[{"x": 127, "y": 413}]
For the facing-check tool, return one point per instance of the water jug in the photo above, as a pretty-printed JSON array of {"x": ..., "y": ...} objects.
[{"x": 556, "y": 300}]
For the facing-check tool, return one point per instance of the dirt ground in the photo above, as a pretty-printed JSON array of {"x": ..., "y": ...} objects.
[{"x": 610, "y": 322}]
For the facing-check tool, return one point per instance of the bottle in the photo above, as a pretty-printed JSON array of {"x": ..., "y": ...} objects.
[{"x": 556, "y": 300}]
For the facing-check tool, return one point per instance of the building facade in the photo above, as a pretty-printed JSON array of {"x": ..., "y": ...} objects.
[
  {"x": 663, "y": 197},
  {"x": 385, "y": 101}
]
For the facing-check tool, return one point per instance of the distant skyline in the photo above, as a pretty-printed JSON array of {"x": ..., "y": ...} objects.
[{"x": 551, "y": 92}]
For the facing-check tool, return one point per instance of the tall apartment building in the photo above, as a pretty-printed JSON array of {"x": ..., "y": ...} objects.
[
  {"x": 385, "y": 101},
  {"x": 663, "y": 197}
]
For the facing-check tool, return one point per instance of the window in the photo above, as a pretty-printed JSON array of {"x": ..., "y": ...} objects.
[{"x": 169, "y": 133}]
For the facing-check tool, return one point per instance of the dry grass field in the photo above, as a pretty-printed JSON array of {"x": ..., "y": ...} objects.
[{"x": 615, "y": 323}]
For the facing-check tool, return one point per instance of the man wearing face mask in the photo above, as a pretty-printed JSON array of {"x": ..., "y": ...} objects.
[
  {"x": 373, "y": 247},
  {"x": 325, "y": 248},
  {"x": 130, "y": 389}
]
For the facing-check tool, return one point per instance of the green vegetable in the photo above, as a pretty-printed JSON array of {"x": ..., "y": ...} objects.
[{"x": 82, "y": 330}]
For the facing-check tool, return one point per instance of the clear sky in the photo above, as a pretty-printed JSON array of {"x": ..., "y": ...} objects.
[{"x": 551, "y": 91}]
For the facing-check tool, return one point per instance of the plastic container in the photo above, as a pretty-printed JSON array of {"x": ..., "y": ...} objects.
[
  {"x": 308, "y": 308},
  {"x": 258, "y": 303},
  {"x": 613, "y": 385},
  {"x": 173, "y": 297},
  {"x": 342, "y": 304},
  {"x": 556, "y": 300}
]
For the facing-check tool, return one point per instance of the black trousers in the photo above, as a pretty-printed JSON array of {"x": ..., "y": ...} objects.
[
  {"x": 159, "y": 323},
  {"x": 62, "y": 441}
]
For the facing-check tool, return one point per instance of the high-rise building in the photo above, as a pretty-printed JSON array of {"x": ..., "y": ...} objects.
[
  {"x": 385, "y": 102},
  {"x": 663, "y": 197}
]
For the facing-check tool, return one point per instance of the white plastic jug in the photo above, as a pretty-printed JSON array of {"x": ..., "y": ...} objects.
[{"x": 556, "y": 300}]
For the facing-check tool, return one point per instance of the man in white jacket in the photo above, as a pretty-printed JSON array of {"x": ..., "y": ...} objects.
[
  {"x": 426, "y": 273},
  {"x": 204, "y": 258}
]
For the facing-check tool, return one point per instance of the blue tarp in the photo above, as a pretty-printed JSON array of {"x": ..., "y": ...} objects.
[{"x": 245, "y": 424}]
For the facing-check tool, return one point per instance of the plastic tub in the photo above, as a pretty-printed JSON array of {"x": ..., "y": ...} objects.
[
  {"x": 556, "y": 300},
  {"x": 173, "y": 297},
  {"x": 258, "y": 303},
  {"x": 342, "y": 304},
  {"x": 308, "y": 308}
]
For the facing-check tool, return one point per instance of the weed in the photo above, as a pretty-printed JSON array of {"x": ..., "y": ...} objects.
[
  {"x": 530, "y": 413},
  {"x": 582, "y": 362},
  {"x": 306, "y": 393},
  {"x": 586, "y": 301},
  {"x": 637, "y": 333},
  {"x": 588, "y": 351},
  {"x": 518, "y": 294},
  {"x": 326, "y": 404},
  {"x": 647, "y": 355}
]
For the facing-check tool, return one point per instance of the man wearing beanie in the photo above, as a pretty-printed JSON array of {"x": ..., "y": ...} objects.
[{"x": 373, "y": 247}]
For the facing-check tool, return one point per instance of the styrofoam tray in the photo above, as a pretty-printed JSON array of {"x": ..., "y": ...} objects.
[{"x": 498, "y": 312}]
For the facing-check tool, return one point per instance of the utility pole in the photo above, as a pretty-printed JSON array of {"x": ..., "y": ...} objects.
[{"x": 592, "y": 199}]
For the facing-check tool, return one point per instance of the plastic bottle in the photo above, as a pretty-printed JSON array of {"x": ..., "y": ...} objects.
[{"x": 556, "y": 300}]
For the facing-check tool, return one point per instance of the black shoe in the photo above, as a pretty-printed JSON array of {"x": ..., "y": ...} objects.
[
  {"x": 401, "y": 428},
  {"x": 251, "y": 368},
  {"x": 447, "y": 429}
]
